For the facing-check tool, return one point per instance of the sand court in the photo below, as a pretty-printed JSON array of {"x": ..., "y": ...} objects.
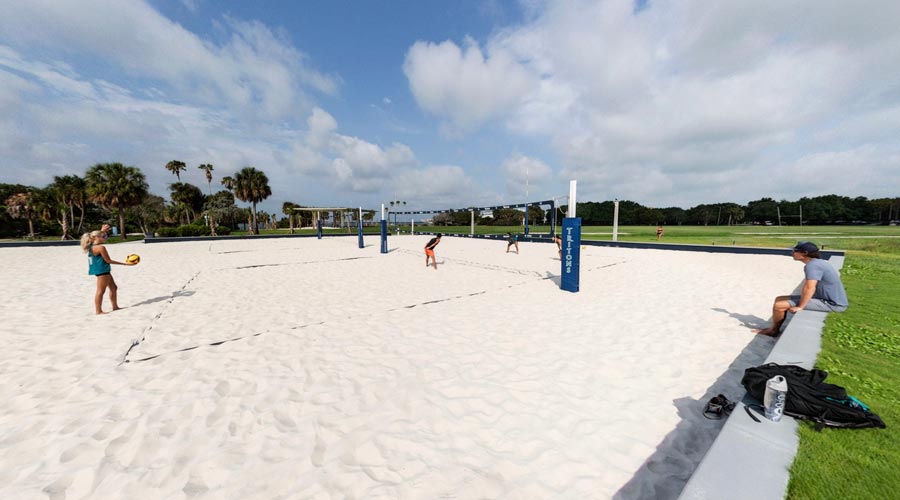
[{"x": 303, "y": 368}]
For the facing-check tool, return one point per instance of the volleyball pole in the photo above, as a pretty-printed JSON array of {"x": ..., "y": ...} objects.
[
  {"x": 360, "y": 229},
  {"x": 383, "y": 231},
  {"x": 319, "y": 229},
  {"x": 571, "y": 248}
]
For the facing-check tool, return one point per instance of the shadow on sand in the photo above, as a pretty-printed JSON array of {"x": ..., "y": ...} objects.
[
  {"x": 664, "y": 475},
  {"x": 179, "y": 293}
]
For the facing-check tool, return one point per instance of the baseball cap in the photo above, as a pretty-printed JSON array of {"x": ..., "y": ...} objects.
[{"x": 806, "y": 247}]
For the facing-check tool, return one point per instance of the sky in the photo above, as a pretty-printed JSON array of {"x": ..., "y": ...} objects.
[{"x": 463, "y": 103}]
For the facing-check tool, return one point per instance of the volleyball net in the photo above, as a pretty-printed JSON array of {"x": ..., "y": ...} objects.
[{"x": 535, "y": 218}]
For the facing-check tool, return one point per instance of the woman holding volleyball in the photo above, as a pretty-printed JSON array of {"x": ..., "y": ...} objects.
[{"x": 99, "y": 265}]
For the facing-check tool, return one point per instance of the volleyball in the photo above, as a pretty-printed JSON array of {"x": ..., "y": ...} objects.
[{"x": 133, "y": 258}]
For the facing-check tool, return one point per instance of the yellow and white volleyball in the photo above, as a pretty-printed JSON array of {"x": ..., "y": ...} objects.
[{"x": 133, "y": 258}]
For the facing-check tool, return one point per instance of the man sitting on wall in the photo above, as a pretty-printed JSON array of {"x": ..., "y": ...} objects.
[{"x": 822, "y": 289}]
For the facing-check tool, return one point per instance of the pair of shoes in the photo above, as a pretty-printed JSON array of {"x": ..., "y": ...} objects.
[{"x": 718, "y": 407}]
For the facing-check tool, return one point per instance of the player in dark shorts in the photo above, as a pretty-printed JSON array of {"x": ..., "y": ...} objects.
[
  {"x": 429, "y": 250},
  {"x": 558, "y": 242},
  {"x": 512, "y": 240}
]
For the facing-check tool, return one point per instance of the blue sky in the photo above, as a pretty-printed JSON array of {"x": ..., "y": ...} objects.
[{"x": 449, "y": 104}]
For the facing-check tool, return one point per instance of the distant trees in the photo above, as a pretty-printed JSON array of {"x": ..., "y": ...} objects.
[
  {"x": 287, "y": 208},
  {"x": 21, "y": 206},
  {"x": 207, "y": 169},
  {"x": 115, "y": 186},
  {"x": 176, "y": 167},
  {"x": 252, "y": 185}
]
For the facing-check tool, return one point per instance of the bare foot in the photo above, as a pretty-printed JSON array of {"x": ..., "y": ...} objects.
[
  {"x": 116, "y": 308},
  {"x": 98, "y": 313},
  {"x": 768, "y": 332}
]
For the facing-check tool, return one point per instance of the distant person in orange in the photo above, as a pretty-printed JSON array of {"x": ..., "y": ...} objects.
[
  {"x": 659, "y": 232},
  {"x": 429, "y": 250}
]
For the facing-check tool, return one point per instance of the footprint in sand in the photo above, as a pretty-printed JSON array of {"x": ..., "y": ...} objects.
[
  {"x": 195, "y": 487},
  {"x": 216, "y": 415},
  {"x": 285, "y": 422},
  {"x": 223, "y": 388},
  {"x": 318, "y": 454},
  {"x": 74, "y": 452}
]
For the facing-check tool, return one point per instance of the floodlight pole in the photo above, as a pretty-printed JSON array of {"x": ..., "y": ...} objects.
[{"x": 616, "y": 219}]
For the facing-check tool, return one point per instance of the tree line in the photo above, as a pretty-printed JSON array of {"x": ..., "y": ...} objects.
[
  {"x": 113, "y": 192},
  {"x": 818, "y": 210}
]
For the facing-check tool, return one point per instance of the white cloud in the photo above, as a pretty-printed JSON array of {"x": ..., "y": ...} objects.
[
  {"x": 255, "y": 69},
  {"x": 680, "y": 101},
  {"x": 523, "y": 174},
  {"x": 461, "y": 84}
]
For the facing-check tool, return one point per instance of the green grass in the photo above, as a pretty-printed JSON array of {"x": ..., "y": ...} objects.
[{"x": 861, "y": 352}]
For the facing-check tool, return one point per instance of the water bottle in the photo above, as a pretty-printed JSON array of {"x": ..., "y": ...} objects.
[{"x": 775, "y": 397}]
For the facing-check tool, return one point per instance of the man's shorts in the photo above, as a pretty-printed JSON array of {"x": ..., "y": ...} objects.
[
  {"x": 429, "y": 253},
  {"x": 817, "y": 305}
]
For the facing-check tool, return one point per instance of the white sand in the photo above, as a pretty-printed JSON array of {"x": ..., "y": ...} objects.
[{"x": 372, "y": 377}]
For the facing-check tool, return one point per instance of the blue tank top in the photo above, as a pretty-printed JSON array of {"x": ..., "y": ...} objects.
[{"x": 96, "y": 264}]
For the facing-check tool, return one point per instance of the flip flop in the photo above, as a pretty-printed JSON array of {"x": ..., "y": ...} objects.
[{"x": 717, "y": 407}]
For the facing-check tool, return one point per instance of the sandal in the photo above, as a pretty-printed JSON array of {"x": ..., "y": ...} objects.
[{"x": 717, "y": 407}]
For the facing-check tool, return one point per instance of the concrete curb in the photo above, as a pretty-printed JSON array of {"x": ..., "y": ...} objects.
[{"x": 751, "y": 460}]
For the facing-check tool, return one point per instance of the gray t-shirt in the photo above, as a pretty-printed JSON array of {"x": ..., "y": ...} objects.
[{"x": 829, "y": 287}]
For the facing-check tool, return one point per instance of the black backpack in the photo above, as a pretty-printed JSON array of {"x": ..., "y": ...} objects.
[{"x": 810, "y": 398}]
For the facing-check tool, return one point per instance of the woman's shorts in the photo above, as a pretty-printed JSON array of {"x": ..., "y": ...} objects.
[{"x": 429, "y": 253}]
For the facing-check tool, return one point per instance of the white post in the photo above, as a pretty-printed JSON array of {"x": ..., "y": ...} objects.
[
  {"x": 616, "y": 220},
  {"x": 572, "y": 189},
  {"x": 412, "y": 226},
  {"x": 472, "y": 226},
  {"x": 382, "y": 211}
]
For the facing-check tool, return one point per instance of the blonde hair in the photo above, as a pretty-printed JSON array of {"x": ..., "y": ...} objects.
[{"x": 87, "y": 238}]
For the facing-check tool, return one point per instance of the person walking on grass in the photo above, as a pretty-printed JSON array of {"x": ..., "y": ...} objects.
[
  {"x": 429, "y": 250},
  {"x": 659, "y": 231},
  {"x": 512, "y": 240},
  {"x": 822, "y": 289},
  {"x": 99, "y": 265}
]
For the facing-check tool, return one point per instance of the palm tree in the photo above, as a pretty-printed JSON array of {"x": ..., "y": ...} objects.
[
  {"x": 115, "y": 186},
  {"x": 22, "y": 205},
  {"x": 228, "y": 182},
  {"x": 208, "y": 168},
  {"x": 50, "y": 205},
  {"x": 176, "y": 167},
  {"x": 70, "y": 191},
  {"x": 251, "y": 185},
  {"x": 287, "y": 208},
  {"x": 188, "y": 197}
]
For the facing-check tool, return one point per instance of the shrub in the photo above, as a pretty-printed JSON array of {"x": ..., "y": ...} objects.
[
  {"x": 166, "y": 232},
  {"x": 223, "y": 230},
  {"x": 192, "y": 230}
]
